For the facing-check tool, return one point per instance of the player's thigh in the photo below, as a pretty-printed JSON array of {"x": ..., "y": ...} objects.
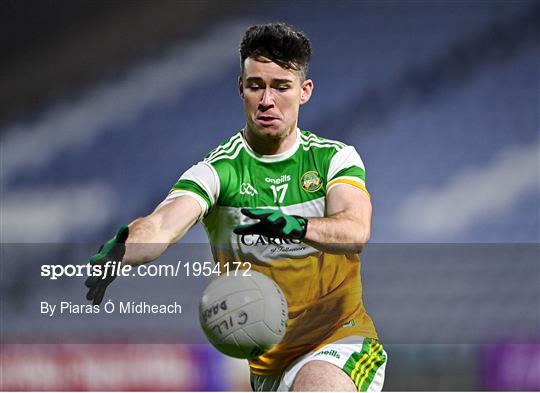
[{"x": 318, "y": 375}]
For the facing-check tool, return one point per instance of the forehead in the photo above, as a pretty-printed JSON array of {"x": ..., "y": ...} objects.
[{"x": 267, "y": 70}]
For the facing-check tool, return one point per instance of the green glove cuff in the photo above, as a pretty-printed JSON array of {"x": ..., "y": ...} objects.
[
  {"x": 303, "y": 224},
  {"x": 120, "y": 238}
]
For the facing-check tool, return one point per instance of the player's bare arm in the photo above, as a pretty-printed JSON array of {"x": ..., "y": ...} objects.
[
  {"x": 150, "y": 236},
  {"x": 144, "y": 240},
  {"x": 347, "y": 228}
]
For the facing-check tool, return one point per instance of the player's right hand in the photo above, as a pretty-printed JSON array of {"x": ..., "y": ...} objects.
[{"x": 113, "y": 250}]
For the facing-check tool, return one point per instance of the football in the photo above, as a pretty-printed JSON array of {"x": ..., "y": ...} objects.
[{"x": 243, "y": 315}]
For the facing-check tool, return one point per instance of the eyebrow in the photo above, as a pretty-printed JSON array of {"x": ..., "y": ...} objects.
[{"x": 257, "y": 79}]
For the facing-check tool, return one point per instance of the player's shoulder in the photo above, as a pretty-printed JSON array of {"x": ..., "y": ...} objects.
[
  {"x": 310, "y": 140},
  {"x": 226, "y": 149}
]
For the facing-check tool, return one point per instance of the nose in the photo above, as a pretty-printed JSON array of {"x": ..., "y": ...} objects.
[{"x": 267, "y": 99}]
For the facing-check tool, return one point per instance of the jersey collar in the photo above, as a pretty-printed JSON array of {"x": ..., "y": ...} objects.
[{"x": 272, "y": 157}]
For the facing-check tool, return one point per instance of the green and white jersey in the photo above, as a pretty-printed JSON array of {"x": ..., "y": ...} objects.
[
  {"x": 323, "y": 291},
  {"x": 233, "y": 176}
]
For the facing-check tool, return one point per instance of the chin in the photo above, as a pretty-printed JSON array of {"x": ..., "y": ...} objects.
[{"x": 273, "y": 133}]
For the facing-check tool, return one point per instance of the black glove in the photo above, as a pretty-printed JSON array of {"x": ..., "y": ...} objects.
[
  {"x": 274, "y": 224},
  {"x": 113, "y": 250}
]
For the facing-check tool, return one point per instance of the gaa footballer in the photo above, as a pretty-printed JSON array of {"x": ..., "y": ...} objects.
[{"x": 292, "y": 203}]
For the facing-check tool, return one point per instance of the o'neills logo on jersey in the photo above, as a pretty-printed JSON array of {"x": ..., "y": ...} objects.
[
  {"x": 280, "y": 180},
  {"x": 311, "y": 181},
  {"x": 259, "y": 240},
  {"x": 331, "y": 352}
]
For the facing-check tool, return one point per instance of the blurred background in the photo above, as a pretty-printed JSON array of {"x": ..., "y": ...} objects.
[{"x": 103, "y": 105}]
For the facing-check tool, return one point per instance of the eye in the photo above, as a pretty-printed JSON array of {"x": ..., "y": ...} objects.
[
  {"x": 254, "y": 87},
  {"x": 283, "y": 88}
]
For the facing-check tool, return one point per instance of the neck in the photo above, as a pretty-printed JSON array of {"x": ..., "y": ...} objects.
[{"x": 270, "y": 145}]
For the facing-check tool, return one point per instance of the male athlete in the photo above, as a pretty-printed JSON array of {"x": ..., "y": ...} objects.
[{"x": 292, "y": 203}]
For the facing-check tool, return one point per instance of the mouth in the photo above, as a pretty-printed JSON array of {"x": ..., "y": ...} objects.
[{"x": 266, "y": 120}]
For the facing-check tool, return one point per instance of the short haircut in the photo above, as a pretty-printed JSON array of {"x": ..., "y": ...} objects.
[{"x": 279, "y": 42}]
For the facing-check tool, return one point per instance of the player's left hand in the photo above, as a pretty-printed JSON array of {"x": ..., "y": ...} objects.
[
  {"x": 273, "y": 223},
  {"x": 114, "y": 251}
]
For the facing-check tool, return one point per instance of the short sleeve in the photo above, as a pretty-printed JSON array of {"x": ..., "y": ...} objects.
[
  {"x": 200, "y": 182},
  {"x": 346, "y": 167}
]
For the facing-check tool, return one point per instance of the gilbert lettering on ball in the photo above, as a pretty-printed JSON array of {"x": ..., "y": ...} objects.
[{"x": 243, "y": 315}]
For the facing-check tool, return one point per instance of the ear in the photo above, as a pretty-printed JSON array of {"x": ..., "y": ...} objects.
[
  {"x": 307, "y": 89},
  {"x": 241, "y": 87}
]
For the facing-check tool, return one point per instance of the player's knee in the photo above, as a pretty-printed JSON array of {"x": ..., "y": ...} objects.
[{"x": 318, "y": 375}]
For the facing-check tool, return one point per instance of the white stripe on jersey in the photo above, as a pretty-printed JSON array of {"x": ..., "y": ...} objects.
[
  {"x": 344, "y": 158},
  {"x": 226, "y": 148},
  {"x": 205, "y": 176}
]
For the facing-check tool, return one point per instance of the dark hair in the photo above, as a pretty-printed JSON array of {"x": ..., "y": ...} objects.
[{"x": 279, "y": 42}]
